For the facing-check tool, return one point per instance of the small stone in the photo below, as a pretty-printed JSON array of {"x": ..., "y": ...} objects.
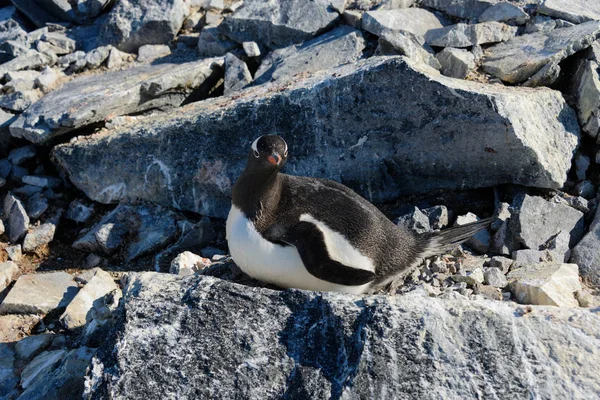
[
  {"x": 585, "y": 189},
  {"x": 528, "y": 256},
  {"x": 213, "y": 18},
  {"x": 545, "y": 284},
  {"x": 414, "y": 20},
  {"x": 463, "y": 35},
  {"x": 490, "y": 292},
  {"x": 237, "y": 75},
  {"x": 506, "y": 296},
  {"x": 31, "y": 346},
  {"x": 406, "y": 44},
  {"x": 187, "y": 263},
  {"x": 211, "y": 43},
  {"x": 352, "y": 18},
  {"x": 18, "y": 220},
  {"x": 471, "y": 277},
  {"x": 37, "y": 205},
  {"x": 31, "y": 60},
  {"x": 39, "y": 236},
  {"x": 61, "y": 44},
  {"x": 28, "y": 190},
  {"x": 575, "y": 11},
  {"x": 42, "y": 181},
  {"x": 5, "y": 167},
  {"x": 415, "y": 220},
  {"x": 8, "y": 272},
  {"x": 46, "y": 79},
  {"x": 18, "y": 85},
  {"x": 505, "y": 12},
  {"x": 190, "y": 40},
  {"x": 456, "y": 63},
  {"x": 97, "y": 287},
  {"x": 96, "y": 57},
  {"x": 150, "y": 52},
  {"x": 116, "y": 58},
  {"x": 93, "y": 261},
  {"x": 582, "y": 163},
  {"x": 72, "y": 58},
  {"x": 79, "y": 212},
  {"x": 193, "y": 22},
  {"x": 19, "y": 101},
  {"x": 495, "y": 277},
  {"x": 438, "y": 216},
  {"x": 501, "y": 263},
  {"x": 439, "y": 266},
  {"x": 251, "y": 49},
  {"x": 584, "y": 298},
  {"x": 39, "y": 293}
]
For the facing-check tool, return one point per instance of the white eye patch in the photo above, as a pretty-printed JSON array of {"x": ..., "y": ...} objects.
[{"x": 255, "y": 145}]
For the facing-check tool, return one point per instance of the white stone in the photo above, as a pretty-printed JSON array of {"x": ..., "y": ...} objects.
[
  {"x": 546, "y": 284},
  {"x": 414, "y": 20},
  {"x": 149, "y": 52},
  {"x": 188, "y": 263},
  {"x": 8, "y": 271},
  {"x": 251, "y": 49}
]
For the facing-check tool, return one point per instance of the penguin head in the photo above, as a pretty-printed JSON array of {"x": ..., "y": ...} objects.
[{"x": 268, "y": 151}]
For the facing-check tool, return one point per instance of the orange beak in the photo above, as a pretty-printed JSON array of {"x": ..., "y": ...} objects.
[{"x": 274, "y": 159}]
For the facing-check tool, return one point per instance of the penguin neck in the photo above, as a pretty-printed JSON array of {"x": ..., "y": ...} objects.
[{"x": 257, "y": 195}]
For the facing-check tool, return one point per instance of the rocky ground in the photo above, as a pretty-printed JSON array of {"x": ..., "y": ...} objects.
[{"x": 123, "y": 125}]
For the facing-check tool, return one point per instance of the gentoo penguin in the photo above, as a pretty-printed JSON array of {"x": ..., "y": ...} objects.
[{"x": 317, "y": 234}]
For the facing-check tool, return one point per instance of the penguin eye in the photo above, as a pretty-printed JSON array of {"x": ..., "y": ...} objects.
[
  {"x": 256, "y": 153},
  {"x": 285, "y": 154}
]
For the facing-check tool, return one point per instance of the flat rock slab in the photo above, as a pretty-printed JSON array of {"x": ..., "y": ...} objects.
[
  {"x": 467, "y": 9},
  {"x": 575, "y": 11},
  {"x": 522, "y": 57},
  {"x": 87, "y": 100},
  {"x": 340, "y": 46},
  {"x": 39, "y": 294},
  {"x": 414, "y": 20},
  {"x": 389, "y": 128},
  {"x": 279, "y": 23},
  {"x": 545, "y": 284},
  {"x": 299, "y": 344}
]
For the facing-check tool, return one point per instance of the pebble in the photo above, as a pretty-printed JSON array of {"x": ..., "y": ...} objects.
[{"x": 21, "y": 154}]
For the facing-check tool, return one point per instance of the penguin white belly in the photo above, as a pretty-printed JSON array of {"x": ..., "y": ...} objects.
[{"x": 270, "y": 262}]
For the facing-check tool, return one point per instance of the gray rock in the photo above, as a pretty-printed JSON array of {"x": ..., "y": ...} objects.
[
  {"x": 31, "y": 60},
  {"x": 586, "y": 84},
  {"x": 494, "y": 277},
  {"x": 505, "y": 12},
  {"x": 40, "y": 366},
  {"x": 116, "y": 58},
  {"x": 575, "y": 11},
  {"x": 546, "y": 76},
  {"x": 37, "y": 205},
  {"x": 18, "y": 221},
  {"x": 251, "y": 49},
  {"x": 39, "y": 236},
  {"x": 97, "y": 287},
  {"x": 42, "y": 181},
  {"x": 8, "y": 377},
  {"x": 17, "y": 173},
  {"x": 14, "y": 252},
  {"x": 60, "y": 43},
  {"x": 414, "y": 220},
  {"x": 212, "y": 44},
  {"x": 463, "y": 35},
  {"x": 193, "y": 238},
  {"x": 466, "y": 9},
  {"x": 406, "y": 44},
  {"x": 19, "y": 101},
  {"x": 507, "y": 60},
  {"x": 76, "y": 57},
  {"x": 456, "y": 63},
  {"x": 279, "y": 23},
  {"x": 344, "y": 333},
  {"x": 501, "y": 263},
  {"x": 438, "y": 216},
  {"x": 150, "y": 52},
  {"x": 587, "y": 253},
  {"x": 31, "y": 346},
  {"x": 203, "y": 184},
  {"x": 528, "y": 256},
  {"x": 471, "y": 278},
  {"x": 534, "y": 221},
  {"x": 187, "y": 263},
  {"x": 27, "y": 190},
  {"x": 18, "y": 85},
  {"x": 480, "y": 242},
  {"x": 91, "y": 99},
  {"x": 46, "y": 79},
  {"x": 577, "y": 202},
  {"x": 134, "y": 23},
  {"x": 100, "y": 319},
  {"x": 237, "y": 75},
  {"x": 545, "y": 284},
  {"x": 5, "y": 168},
  {"x": 20, "y": 155},
  {"x": 79, "y": 212},
  {"x": 8, "y": 273},
  {"x": 340, "y": 46},
  {"x": 96, "y": 57},
  {"x": 39, "y": 294},
  {"x": 26, "y": 75},
  {"x": 414, "y": 20},
  {"x": 585, "y": 189}
]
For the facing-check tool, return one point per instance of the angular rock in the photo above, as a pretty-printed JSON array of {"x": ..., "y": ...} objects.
[
  {"x": 40, "y": 366},
  {"x": 585, "y": 189},
  {"x": 438, "y": 216},
  {"x": 39, "y": 293},
  {"x": 91, "y": 99},
  {"x": 96, "y": 57},
  {"x": 8, "y": 377},
  {"x": 18, "y": 220},
  {"x": 31, "y": 346},
  {"x": 237, "y": 75},
  {"x": 193, "y": 238},
  {"x": 279, "y": 23},
  {"x": 100, "y": 319},
  {"x": 134, "y": 23},
  {"x": 434, "y": 121},
  {"x": 546, "y": 76},
  {"x": 414, "y": 20},
  {"x": 586, "y": 84},
  {"x": 495, "y": 277},
  {"x": 41, "y": 181},
  {"x": 61, "y": 44},
  {"x": 97, "y": 287},
  {"x": 406, "y": 44},
  {"x": 456, "y": 63},
  {"x": 37, "y": 205},
  {"x": 522, "y": 57},
  {"x": 545, "y": 284},
  {"x": 528, "y": 256},
  {"x": 340, "y": 46},
  {"x": 327, "y": 345},
  {"x": 480, "y": 242},
  {"x": 14, "y": 252},
  {"x": 501, "y": 263},
  {"x": 149, "y": 52},
  {"x": 505, "y": 12},
  {"x": 587, "y": 253},
  {"x": 46, "y": 79},
  {"x": 463, "y": 35},
  {"x": 18, "y": 85},
  {"x": 212, "y": 44},
  {"x": 39, "y": 236},
  {"x": 79, "y": 212},
  {"x": 251, "y": 49},
  {"x": 116, "y": 58},
  {"x": 575, "y": 11},
  {"x": 466, "y": 9},
  {"x": 415, "y": 220},
  {"x": 31, "y": 60},
  {"x": 20, "y": 155},
  {"x": 187, "y": 263},
  {"x": 19, "y": 101},
  {"x": 8, "y": 272}
]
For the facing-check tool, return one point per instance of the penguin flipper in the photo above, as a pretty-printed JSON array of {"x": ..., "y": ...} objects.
[{"x": 310, "y": 243}]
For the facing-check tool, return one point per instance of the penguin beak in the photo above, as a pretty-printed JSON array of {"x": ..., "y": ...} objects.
[{"x": 274, "y": 159}]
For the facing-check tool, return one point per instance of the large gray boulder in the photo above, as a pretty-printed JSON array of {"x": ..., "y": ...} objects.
[
  {"x": 522, "y": 57},
  {"x": 576, "y": 11},
  {"x": 279, "y": 23},
  {"x": 340, "y": 46},
  {"x": 87, "y": 100},
  {"x": 201, "y": 337},
  {"x": 134, "y": 23},
  {"x": 389, "y": 125},
  {"x": 587, "y": 253}
]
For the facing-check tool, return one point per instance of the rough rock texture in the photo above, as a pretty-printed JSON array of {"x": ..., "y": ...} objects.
[
  {"x": 133, "y": 23},
  {"x": 576, "y": 11},
  {"x": 8, "y": 271},
  {"x": 340, "y": 46},
  {"x": 87, "y": 100},
  {"x": 404, "y": 43},
  {"x": 187, "y": 263},
  {"x": 278, "y": 23},
  {"x": 237, "y": 75},
  {"x": 522, "y": 57},
  {"x": 39, "y": 236},
  {"x": 467, "y": 9},
  {"x": 463, "y": 35},
  {"x": 39, "y": 293},
  {"x": 414, "y": 20},
  {"x": 456, "y": 63},
  {"x": 31, "y": 346},
  {"x": 585, "y": 84},
  {"x": 505, "y": 12},
  {"x": 297, "y": 344},
  {"x": 545, "y": 284},
  {"x": 587, "y": 253},
  {"x": 436, "y": 120}
]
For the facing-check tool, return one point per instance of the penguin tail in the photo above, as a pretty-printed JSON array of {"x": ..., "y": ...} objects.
[{"x": 438, "y": 242}]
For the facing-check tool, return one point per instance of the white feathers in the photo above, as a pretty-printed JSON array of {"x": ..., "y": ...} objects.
[
  {"x": 255, "y": 144},
  {"x": 273, "y": 263},
  {"x": 339, "y": 248}
]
